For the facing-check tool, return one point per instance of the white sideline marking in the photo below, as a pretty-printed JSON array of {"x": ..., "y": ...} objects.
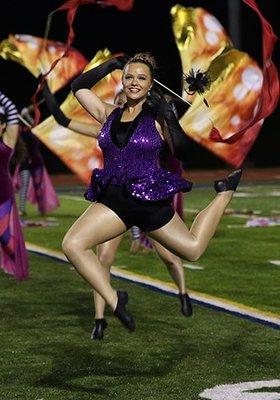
[{"x": 220, "y": 304}]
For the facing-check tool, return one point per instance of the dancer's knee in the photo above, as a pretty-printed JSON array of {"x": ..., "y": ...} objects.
[
  {"x": 70, "y": 245},
  {"x": 106, "y": 258},
  {"x": 193, "y": 257},
  {"x": 194, "y": 252}
]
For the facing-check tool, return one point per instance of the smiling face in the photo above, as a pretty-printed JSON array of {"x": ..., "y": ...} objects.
[{"x": 137, "y": 81}]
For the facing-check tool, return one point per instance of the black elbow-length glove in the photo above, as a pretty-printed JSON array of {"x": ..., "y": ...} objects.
[
  {"x": 88, "y": 79},
  {"x": 53, "y": 107},
  {"x": 157, "y": 106}
]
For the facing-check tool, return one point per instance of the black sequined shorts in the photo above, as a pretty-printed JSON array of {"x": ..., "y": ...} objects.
[{"x": 147, "y": 215}]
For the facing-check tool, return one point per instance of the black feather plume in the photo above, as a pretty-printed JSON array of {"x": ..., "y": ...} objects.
[{"x": 197, "y": 82}]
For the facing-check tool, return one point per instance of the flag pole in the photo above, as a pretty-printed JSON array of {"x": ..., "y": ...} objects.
[{"x": 171, "y": 91}]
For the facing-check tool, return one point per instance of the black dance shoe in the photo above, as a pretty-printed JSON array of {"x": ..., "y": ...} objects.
[
  {"x": 186, "y": 305},
  {"x": 98, "y": 329},
  {"x": 230, "y": 183},
  {"x": 121, "y": 313}
]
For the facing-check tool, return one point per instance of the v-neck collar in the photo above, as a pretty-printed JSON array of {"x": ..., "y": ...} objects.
[{"x": 132, "y": 127}]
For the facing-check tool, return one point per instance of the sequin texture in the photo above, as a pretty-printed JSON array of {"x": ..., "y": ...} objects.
[{"x": 136, "y": 166}]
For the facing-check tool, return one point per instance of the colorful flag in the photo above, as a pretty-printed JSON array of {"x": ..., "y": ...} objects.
[
  {"x": 235, "y": 94},
  {"x": 37, "y": 55}
]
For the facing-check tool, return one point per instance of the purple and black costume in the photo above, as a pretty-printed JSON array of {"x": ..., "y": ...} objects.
[{"x": 132, "y": 183}]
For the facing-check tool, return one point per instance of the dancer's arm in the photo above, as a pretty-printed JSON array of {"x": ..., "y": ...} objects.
[
  {"x": 11, "y": 133},
  {"x": 83, "y": 128},
  {"x": 88, "y": 99}
]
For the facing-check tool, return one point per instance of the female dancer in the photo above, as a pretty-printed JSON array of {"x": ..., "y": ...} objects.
[
  {"x": 132, "y": 189},
  {"x": 31, "y": 176},
  {"x": 13, "y": 255},
  {"x": 106, "y": 251}
]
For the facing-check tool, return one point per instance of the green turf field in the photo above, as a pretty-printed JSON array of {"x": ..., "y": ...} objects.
[{"x": 46, "y": 352}]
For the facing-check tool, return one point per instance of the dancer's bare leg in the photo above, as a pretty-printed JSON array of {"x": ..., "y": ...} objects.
[
  {"x": 175, "y": 267},
  {"x": 191, "y": 244},
  {"x": 96, "y": 225},
  {"x": 173, "y": 264},
  {"x": 106, "y": 254}
]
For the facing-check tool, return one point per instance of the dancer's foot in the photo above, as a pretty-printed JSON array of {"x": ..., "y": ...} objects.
[
  {"x": 186, "y": 305},
  {"x": 98, "y": 329},
  {"x": 121, "y": 313},
  {"x": 230, "y": 183}
]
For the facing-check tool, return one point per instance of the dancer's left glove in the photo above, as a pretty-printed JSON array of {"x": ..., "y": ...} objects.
[
  {"x": 53, "y": 106},
  {"x": 159, "y": 108}
]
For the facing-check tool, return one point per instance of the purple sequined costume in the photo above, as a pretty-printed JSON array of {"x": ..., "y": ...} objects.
[
  {"x": 136, "y": 165},
  {"x": 13, "y": 254}
]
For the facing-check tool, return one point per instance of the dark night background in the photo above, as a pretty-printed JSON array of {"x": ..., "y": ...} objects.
[{"x": 146, "y": 28}]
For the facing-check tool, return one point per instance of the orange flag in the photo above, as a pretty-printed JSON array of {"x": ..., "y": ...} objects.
[
  {"x": 235, "y": 91},
  {"x": 37, "y": 55}
]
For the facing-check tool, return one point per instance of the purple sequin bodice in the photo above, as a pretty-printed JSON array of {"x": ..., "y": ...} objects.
[{"x": 135, "y": 165}]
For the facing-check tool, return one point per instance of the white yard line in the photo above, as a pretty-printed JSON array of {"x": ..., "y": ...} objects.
[
  {"x": 273, "y": 193},
  {"x": 192, "y": 266}
]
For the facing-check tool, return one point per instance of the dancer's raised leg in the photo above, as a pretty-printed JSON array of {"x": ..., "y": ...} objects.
[{"x": 191, "y": 244}]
